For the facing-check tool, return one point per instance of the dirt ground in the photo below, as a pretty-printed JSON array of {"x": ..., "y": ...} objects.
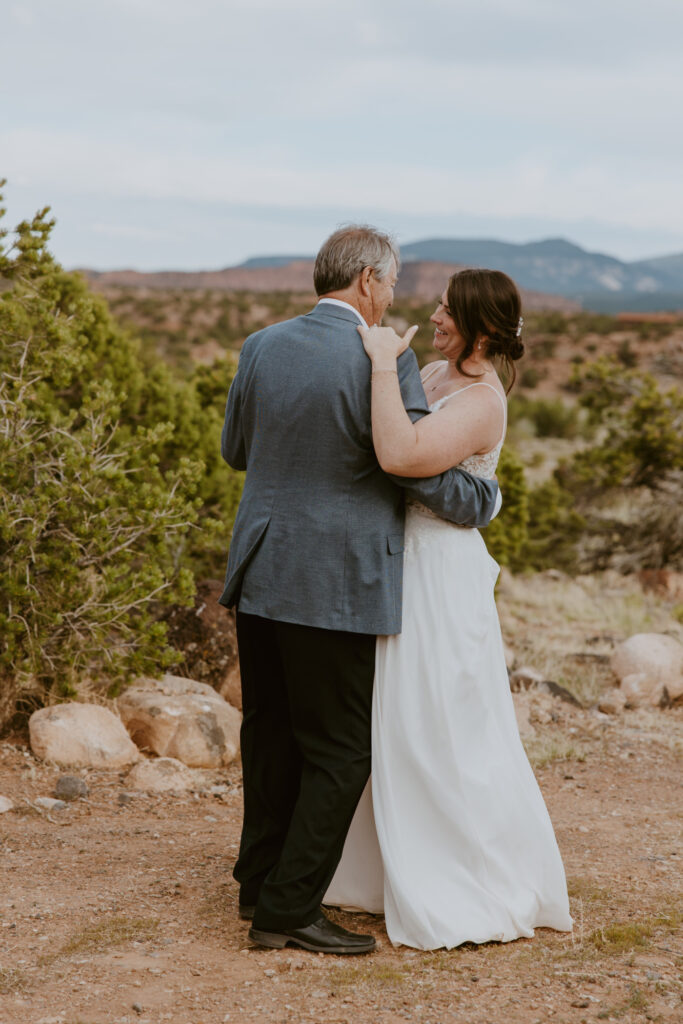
[{"x": 122, "y": 908}]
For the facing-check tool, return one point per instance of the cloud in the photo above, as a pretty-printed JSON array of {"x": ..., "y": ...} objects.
[
  {"x": 133, "y": 231},
  {"x": 534, "y": 109},
  {"x": 530, "y": 185}
]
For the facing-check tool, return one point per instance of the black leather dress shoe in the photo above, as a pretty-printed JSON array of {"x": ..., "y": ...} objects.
[
  {"x": 246, "y": 912},
  {"x": 320, "y": 937}
]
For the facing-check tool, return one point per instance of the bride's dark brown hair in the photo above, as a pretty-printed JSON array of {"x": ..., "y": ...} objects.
[{"x": 486, "y": 305}]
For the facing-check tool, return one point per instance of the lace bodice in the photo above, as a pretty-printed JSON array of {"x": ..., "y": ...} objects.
[{"x": 479, "y": 465}]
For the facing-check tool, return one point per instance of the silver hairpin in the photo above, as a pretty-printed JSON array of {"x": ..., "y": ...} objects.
[{"x": 519, "y": 326}]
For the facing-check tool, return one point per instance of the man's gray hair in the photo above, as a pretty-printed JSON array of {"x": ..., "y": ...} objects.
[{"x": 348, "y": 251}]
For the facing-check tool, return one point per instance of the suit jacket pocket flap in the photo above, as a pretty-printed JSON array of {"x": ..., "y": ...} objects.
[{"x": 395, "y": 543}]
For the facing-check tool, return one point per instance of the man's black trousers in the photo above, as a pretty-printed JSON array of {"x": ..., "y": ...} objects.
[{"x": 307, "y": 703}]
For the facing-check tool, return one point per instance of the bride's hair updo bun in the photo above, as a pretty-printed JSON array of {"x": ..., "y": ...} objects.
[
  {"x": 485, "y": 305},
  {"x": 513, "y": 348}
]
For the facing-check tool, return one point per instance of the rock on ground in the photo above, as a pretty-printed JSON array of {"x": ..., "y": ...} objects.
[
  {"x": 559, "y": 691},
  {"x": 542, "y": 708},
  {"x": 162, "y": 775},
  {"x": 206, "y": 636},
  {"x": 81, "y": 736},
  {"x": 524, "y": 678},
  {"x": 523, "y": 710},
  {"x": 612, "y": 702},
  {"x": 649, "y": 667},
  {"x": 664, "y": 582},
  {"x": 5, "y": 804},
  {"x": 70, "y": 787},
  {"x": 183, "y": 719},
  {"x": 48, "y": 803},
  {"x": 230, "y": 688}
]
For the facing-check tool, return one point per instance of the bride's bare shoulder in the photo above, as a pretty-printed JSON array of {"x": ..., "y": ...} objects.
[
  {"x": 492, "y": 383},
  {"x": 484, "y": 393}
]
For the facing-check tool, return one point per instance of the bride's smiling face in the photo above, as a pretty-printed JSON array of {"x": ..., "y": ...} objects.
[{"x": 447, "y": 337}]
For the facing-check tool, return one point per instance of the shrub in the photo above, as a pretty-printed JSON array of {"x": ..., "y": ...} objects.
[
  {"x": 529, "y": 377},
  {"x": 220, "y": 487},
  {"x": 553, "y": 530},
  {"x": 550, "y": 417},
  {"x": 638, "y": 456},
  {"x": 642, "y": 428},
  {"x": 507, "y": 534},
  {"x": 108, "y": 466},
  {"x": 551, "y": 322},
  {"x": 596, "y": 323},
  {"x": 616, "y": 503},
  {"x": 544, "y": 348},
  {"x": 625, "y": 354}
]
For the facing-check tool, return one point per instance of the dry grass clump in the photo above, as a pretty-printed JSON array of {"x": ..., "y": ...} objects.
[
  {"x": 549, "y": 621},
  {"x": 542, "y": 750},
  {"x": 12, "y": 980},
  {"x": 670, "y": 923},
  {"x": 113, "y": 931},
  {"x": 621, "y": 937},
  {"x": 374, "y": 974},
  {"x": 586, "y": 889},
  {"x": 627, "y": 936},
  {"x": 654, "y": 726},
  {"x": 106, "y": 934},
  {"x": 617, "y": 602},
  {"x": 637, "y": 1001}
]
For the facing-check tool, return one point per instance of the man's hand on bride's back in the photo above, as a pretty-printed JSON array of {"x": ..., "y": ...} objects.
[{"x": 383, "y": 344}]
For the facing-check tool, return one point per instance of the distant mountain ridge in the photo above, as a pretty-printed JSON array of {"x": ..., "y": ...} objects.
[
  {"x": 555, "y": 266},
  {"x": 259, "y": 262},
  {"x": 553, "y": 274},
  {"x": 419, "y": 279}
]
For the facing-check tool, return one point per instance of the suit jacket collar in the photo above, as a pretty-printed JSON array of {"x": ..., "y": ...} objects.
[{"x": 330, "y": 310}]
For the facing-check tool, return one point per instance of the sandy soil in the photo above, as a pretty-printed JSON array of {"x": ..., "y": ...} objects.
[{"x": 122, "y": 907}]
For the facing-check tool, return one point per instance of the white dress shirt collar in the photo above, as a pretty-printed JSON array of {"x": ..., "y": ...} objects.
[{"x": 344, "y": 305}]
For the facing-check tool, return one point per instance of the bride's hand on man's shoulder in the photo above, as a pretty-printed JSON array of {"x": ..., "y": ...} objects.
[{"x": 384, "y": 341}]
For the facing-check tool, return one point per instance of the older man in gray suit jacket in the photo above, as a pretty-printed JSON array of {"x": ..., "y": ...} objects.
[{"x": 315, "y": 569}]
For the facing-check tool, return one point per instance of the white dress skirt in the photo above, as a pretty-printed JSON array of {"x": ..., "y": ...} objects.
[{"x": 451, "y": 840}]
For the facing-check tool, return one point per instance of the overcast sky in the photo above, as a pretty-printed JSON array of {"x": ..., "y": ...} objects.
[{"x": 197, "y": 133}]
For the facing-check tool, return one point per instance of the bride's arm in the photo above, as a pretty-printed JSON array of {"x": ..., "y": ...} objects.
[{"x": 434, "y": 443}]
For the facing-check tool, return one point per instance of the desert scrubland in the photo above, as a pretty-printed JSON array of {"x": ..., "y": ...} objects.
[{"x": 115, "y": 517}]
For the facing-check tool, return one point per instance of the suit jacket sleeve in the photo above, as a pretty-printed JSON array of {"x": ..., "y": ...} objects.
[
  {"x": 233, "y": 446},
  {"x": 454, "y": 495}
]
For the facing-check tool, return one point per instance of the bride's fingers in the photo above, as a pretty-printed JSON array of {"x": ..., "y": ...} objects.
[
  {"x": 366, "y": 337},
  {"x": 385, "y": 339},
  {"x": 402, "y": 343}
]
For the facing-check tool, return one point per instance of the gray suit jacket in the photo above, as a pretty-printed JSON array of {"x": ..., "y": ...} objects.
[{"x": 318, "y": 537}]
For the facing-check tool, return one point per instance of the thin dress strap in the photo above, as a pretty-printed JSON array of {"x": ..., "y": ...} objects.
[
  {"x": 437, "y": 364},
  {"x": 481, "y": 384}
]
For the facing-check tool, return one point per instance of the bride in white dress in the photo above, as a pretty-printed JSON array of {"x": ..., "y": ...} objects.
[{"x": 459, "y": 846}]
